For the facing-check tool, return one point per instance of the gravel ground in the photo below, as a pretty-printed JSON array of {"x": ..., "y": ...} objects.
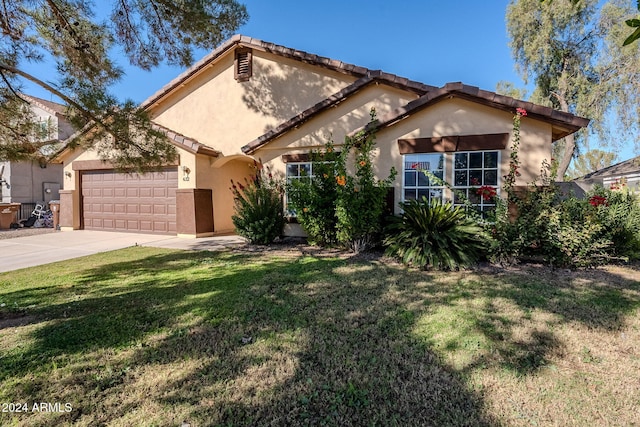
[{"x": 22, "y": 232}]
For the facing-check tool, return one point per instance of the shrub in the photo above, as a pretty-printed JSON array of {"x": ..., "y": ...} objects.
[
  {"x": 259, "y": 210},
  {"x": 336, "y": 205},
  {"x": 618, "y": 212},
  {"x": 314, "y": 199},
  {"x": 563, "y": 232},
  {"x": 361, "y": 197},
  {"x": 434, "y": 234}
]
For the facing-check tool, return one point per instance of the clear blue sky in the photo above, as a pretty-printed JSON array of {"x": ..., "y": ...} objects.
[{"x": 430, "y": 41}]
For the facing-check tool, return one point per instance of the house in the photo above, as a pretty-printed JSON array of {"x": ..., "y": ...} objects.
[
  {"x": 250, "y": 100},
  {"x": 625, "y": 173},
  {"x": 31, "y": 182}
]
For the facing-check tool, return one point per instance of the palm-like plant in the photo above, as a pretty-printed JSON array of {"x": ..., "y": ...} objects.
[{"x": 434, "y": 235}]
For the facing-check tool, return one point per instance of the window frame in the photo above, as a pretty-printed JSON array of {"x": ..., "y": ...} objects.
[
  {"x": 417, "y": 187},
  {"x": 478, "y": 203}
]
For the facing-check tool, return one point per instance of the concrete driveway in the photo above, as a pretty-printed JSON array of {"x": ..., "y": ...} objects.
[{"x": 30, "y": 251}]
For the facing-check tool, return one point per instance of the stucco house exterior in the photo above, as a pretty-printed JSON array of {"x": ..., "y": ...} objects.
[
  {"x": 32, "y": 182},
  {"x": 250, "y": 100}
]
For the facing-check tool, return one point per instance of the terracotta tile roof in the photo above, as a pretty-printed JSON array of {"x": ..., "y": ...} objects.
[
  {"x": 52, "y": 107},
  {"x": 333, "y": 100},
  {"x": 563, "y": 123},
  {"x": 186, "y": 143},
  {"x": 622, "y": 168},
  {"x": 331, "y": 64}
]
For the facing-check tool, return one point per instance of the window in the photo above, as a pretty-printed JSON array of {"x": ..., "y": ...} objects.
[
  {"x": 301, "y": 170},
  {"x": 297, "y": 171},
  {"x": 475, "y": 176},
  {"x": 416, "y": 183}
]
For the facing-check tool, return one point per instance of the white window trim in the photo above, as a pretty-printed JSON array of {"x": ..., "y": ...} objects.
[
  {"x": 444, "y": 174},
  {"x": 498, "y": 185}
]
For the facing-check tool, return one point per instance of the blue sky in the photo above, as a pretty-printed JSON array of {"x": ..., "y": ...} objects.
[{"x": 431, "y": 41}]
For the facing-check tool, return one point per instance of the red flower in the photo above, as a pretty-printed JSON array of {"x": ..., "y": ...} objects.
[
  {"x": 486, "y": 192},
  {"x": 521, "y": 111},
  {"x": 414, "y": 166},
  {"x": 598, "y": 200}
]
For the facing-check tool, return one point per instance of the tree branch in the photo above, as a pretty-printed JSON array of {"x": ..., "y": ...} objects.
[
  {"x": 85, "y": 113},
  {"x": 8, "y": 83},
  {"x": 132, "y": 28}
]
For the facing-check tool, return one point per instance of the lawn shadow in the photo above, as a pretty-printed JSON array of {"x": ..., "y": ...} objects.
[
  {"x": 317, "y": 342},
  {"x": 116, "y": 316},
  {"x": 238, "y": 339},
  {"x": 512, "y": 321}
]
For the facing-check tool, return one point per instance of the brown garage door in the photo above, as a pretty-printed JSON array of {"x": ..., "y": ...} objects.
[{"x": 116, "y": 201}]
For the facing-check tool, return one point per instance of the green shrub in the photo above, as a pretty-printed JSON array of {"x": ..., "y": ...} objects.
[
  {"x": 340, "y": 204},
  {"x": 361, "y": 197},
  {"x": 564, "y": 232},
  {"x": 259, "y": 210},
  {"x": 314, "y": 199},
  {"x": 618, "y": 212},
  {"x": 434, "y": 235}
]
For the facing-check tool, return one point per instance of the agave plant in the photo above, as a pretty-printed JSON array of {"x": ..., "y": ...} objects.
[{"x": 434, "y": 235}]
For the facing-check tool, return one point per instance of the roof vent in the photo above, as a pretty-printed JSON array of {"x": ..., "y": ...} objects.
[{"x": 243, "y": 64}]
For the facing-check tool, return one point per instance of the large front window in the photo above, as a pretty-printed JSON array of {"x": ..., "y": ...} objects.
[
  {"x": 416, "y": 183},
  {"x": 475, "y": 177}
]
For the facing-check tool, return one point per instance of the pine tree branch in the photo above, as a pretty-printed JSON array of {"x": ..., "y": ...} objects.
[
  {"x": 91, "y": 117},
  {"x": 10, "y": 86},
  {"x": 85, "y": 113},
  {"x": 135, "y": 33}
]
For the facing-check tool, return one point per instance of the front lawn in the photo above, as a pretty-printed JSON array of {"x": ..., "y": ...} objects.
[{"x": 154, "y": 337}]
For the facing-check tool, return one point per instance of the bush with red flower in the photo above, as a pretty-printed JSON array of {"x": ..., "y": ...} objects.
[
  {"x": 487, "y": 192},
  {"x": 597, "y": 200}
]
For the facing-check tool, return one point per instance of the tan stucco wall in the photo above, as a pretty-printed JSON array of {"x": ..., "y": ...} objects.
[
  {"x": 223, "y": 203},
  {"x": 216, "y": 110},
  {"x": 334, "y": 124},
  {"x": 448, "y": 117},
  {"x": 461, "y": 117},
  {"x": 60, "y": 128}
]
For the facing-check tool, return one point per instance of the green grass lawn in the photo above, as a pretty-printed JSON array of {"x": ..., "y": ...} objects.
[{"x": 151, "y": 337}]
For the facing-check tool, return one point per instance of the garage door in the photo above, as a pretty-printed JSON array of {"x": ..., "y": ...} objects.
[{"x": 115, "y": 201}]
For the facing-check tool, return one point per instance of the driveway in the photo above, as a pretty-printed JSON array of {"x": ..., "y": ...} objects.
[{"x": 30, "y": 251}]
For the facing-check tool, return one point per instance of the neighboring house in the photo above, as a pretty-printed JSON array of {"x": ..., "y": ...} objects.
[
  {"x": 251, "y": 100},
  {"x": 623, "y": 173},
  {"x": 33, "y": 182}
]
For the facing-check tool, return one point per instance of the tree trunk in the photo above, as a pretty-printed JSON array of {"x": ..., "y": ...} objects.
[
  {"x": 567, "y": 155},
  {"x": 569, "y": 141}
]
